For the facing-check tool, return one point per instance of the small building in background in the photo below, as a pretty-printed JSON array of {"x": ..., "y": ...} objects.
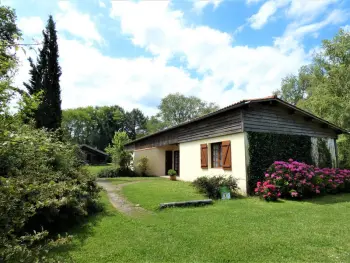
[{"x": 94, "y": 155}]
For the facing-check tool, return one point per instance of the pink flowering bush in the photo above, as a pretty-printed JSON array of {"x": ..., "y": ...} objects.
[
  {"x": 267, "y": 191},
  {"x": 293, "y": 179}
]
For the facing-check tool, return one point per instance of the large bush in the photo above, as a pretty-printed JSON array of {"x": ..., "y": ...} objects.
[
  {"x": 210, "y": 186},
  {"x": 43, "y": 191},
  {"x": 294, "y": 179}
]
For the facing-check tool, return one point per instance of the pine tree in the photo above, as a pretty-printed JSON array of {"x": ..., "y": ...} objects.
[{"x": 45, "y": 77}]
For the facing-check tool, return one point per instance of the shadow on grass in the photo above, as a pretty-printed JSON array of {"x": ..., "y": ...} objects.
[
  {"x": 81, "y": 232},
  {"x": 330, "y": 199}
]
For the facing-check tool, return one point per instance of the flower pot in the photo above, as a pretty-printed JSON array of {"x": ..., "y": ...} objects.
[{"x": 173, "y": 177}]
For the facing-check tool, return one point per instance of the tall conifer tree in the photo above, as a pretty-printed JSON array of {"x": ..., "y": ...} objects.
[{"x": 45, "y": 75}]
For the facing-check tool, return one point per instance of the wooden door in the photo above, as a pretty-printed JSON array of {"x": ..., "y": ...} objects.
[
  {"x": 168, "y": 161},
  {"x": 177, "y": 162}
]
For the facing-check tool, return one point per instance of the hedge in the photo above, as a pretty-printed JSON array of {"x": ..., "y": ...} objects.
[{"x": 265, "y": 148}]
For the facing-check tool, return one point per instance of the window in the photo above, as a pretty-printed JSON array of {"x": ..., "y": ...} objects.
[{"x": 216, "y": 158}]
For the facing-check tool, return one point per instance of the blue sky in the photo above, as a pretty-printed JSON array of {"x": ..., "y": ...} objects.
[{"x": 133, "y": 53}]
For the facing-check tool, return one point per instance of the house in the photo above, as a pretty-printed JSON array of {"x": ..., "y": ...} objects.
[
  {"x": 218, "y": 143},
  {"x": 94, "y": 155}
]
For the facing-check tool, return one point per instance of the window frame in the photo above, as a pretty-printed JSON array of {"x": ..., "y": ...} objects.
[{"x": 219, "y": 158}]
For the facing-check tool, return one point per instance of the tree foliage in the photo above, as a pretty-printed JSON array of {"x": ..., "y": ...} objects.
[
  {"x": 45, "y": 75},
  {"x": 294, "y": 88},
  {"x": 135, "y": 123},
  {"x": 323, "y": 87},
  {"x": 94, "y": 126},
  {"x": 177, "y": 108},
  {"x": 154, "y": 124},
  {"x": 120, "y": 157}
]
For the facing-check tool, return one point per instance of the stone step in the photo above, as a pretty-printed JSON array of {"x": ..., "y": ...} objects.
[{"x": 186, "y": 203}]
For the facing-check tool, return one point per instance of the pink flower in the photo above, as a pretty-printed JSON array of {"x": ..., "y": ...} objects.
[
  {"x": 294, "y": 194},
  {"x": 317, "y": 191}
]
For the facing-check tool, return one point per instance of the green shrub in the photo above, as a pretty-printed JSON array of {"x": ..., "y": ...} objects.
[
  {"x": 143, "y": 165},
  {"x": 43, "y": 191},
  {"x": 116, "y": 172},
  {"x": 172, "y": 172},
  {"x": 210, "y": 186}
]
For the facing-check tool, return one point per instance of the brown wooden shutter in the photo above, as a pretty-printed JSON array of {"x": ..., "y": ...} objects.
[
  {"x": 226, "y": 155},
  {"x": 204, "y": 156}
]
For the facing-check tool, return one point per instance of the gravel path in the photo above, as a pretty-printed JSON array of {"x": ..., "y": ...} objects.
[{"x": 119, "y": 201}]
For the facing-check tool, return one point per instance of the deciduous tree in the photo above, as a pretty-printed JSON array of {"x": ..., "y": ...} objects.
[{"x": 177, "y": 108}]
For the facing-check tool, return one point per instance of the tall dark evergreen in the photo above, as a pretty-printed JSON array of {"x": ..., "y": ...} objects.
[{"x": 45, "y": 75}]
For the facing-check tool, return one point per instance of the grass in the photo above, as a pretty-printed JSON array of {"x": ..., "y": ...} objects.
[
  {"x": 149, "y": 194},
  {"x": 94, "y": 169},
  {"x": 242, "y": 230},
  {"x": 123, "y": 180}
]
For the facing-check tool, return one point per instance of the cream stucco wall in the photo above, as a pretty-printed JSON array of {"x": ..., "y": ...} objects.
[
  {"x": 190, "y": 160},
  {"x": 156, "y": 158}
]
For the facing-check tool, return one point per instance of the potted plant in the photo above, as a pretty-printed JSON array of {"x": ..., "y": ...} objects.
[{"x": 172, "y": 173}]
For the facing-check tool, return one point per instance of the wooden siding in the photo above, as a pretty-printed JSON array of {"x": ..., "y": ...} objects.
[
  {"x": 229, "y": 122},
  {"x": 166, "y": 138},
  {"x": 219, "y": 125},
  {"x": 275, "y": 119}
]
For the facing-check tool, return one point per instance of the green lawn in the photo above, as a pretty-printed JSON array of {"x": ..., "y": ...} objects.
[
  {"x": 242, "y": 230},
  {"x": 149, "y": 194},
  {"x": 123, "y": 180},
  {"x": 94, "y": 169}
]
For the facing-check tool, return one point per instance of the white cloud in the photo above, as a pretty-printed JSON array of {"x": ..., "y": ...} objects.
[
  {"x": 229, "y": 72},
  {"x": 129, "y": 83},
  {"x": 295, "y": 32},
  {"x": 266, "y": 11},
  {"x": 253, "y": 1},
  {"x": 346, "y": 28},
  {"x": 101, "y": 4},
  {"x": 199, "y": 5},
  {"x": 308, "y": 9},
  {"x": 31, "y": 26},
  {"x": 76, "y": 23},
  {"x": 126, "y": 82}
]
